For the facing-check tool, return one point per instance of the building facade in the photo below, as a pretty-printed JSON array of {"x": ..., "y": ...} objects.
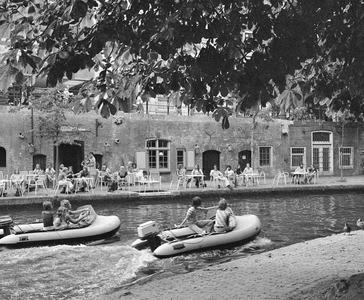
[{"x": 160, "y": 142}]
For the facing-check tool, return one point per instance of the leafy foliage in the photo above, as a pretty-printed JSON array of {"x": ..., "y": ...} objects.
[
  {"x": 52, "y": 107},
  {"x": 200, "y": 49}
]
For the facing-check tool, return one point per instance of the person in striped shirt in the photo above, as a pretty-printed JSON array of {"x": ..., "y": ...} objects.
[{"x": 193, "y": 217}]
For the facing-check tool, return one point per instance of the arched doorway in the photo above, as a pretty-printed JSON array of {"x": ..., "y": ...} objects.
[
  {"x": 244, "y": 157},
  {"x": 71, "y": 155},
  {"x": 209, "y": 159}
]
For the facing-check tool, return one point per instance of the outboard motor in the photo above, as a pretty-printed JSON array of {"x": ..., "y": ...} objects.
[
  {"x": 6, "y": 223},
  {"x": 149, "y": 231}
]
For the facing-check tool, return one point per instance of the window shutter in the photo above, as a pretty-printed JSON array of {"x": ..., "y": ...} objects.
[
  {"x": 141, "y": 160},
  {"x": 190, "y": 159}
]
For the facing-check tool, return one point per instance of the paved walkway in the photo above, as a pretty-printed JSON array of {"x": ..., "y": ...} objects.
[{"x": 324, "y": 184}]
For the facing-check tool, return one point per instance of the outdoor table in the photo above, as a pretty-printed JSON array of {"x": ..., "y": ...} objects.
[
  {"x": 150, "y": 184},
  {"x": 190, "y": 176},
  {"x": 78, "y": 181},
  {"x": 253, "y": 176},
  {"x": 298, "y": 176}
]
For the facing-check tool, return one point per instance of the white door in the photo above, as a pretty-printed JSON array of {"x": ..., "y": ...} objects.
[{"x": 322, "y": 159}]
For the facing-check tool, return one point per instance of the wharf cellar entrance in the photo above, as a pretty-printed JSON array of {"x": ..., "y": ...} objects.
[
  {"x": 71, "y": 155},
  {"x": 209, "y": 159}
]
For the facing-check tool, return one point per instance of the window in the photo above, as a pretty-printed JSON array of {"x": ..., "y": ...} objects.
[
  {"x": 181, "y": 154},
  {"x": 265, "y": 156},
  {"x": 298, "y": 157},
  {"x": 41, "y": 160},
  {"x": 158, "y": 154},
  {"x": 347, "y": 158},
  {"x": 2, "y": 157}
]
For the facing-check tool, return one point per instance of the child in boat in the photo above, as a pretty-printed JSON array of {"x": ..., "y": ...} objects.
[
  {"x": 66, "y": 203},
  {"x": 192, "y": 217},
  {"x": 47, "y": 216},
  {"x": 224, "y": 218},
  {"x": 63, "y": 219}
]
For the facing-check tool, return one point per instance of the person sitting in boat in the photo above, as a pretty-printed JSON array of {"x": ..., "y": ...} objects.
[
  {"x": 47, "y": 216},
  {"x": 63, "y": 219},
  {"x": 192, "y": 217},
  {"x": 224, "y": 218},
  {"x": 66, "y": 204}
]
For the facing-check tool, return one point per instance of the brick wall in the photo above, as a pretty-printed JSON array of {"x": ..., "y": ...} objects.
[{"x": 183, "y": 131}]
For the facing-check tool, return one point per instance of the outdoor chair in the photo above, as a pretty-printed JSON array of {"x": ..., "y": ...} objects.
[
  {"x": 2, "y": 188},
  {"x": 180, "y": 182},
  {"x": 217, "y": 180},
  {"x": 156, "y": 178},
  {"x": 280, "y": 176},
  {"x": 37, "y": 183},
  {"x": 61, "y": 185}
]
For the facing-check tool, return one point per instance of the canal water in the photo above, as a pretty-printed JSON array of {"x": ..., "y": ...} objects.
[{"x": 82, "y": 271}]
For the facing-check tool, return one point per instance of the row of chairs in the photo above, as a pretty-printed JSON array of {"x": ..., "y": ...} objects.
[
  {"x": 282, "y": 177},
  {"x": 253, "y": 179}
]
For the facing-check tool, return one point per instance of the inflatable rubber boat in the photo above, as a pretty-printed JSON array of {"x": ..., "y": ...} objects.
[
  {"x": 176, "y": 241},
  {"x": 93, "y": 228}
]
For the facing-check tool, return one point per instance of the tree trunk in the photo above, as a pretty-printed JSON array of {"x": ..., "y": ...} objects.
[{"x": 57, "y": 163}]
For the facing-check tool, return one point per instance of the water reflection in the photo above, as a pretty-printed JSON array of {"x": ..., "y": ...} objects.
[{"x": 73, "y": 272}]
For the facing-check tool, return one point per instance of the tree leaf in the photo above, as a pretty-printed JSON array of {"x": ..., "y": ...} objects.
[{"x": 104, "y": 109}]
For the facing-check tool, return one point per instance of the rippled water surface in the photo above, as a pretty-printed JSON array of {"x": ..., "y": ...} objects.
[{"x": 76, "y": 272}]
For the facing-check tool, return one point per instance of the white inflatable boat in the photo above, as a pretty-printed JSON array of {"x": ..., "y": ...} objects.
[
  {"x": 96, "y": 228},
  {"x": 174, "y": 242}
]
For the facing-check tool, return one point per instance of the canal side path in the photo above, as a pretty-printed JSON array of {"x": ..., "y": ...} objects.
[{"x": 169, "y": 191}]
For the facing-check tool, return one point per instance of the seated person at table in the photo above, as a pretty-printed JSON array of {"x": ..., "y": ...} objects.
[
  {"x": 47, "y": 216},
  {"x": 63, "y": 219},
  {"x": 239, "y": 177},
  {"x": 122, "y": 175},
  {"x": 83, "y": 183},
  {"x": 247, "y": 170},
  {"x": 312, "y": 171},
  {"x": 296, "y": 176},
  {"x": 181, "y": 172},
  {"x": 137, "y": 173},
  {"x": 17, "y": 180},
  {"x": 229, "y": 174},
  {"x": 70, "y": 173},
  {"x": 192, "y": 217},
  {"x": 215, "y": 174},
  {"x": 50, "y": 174},
  {"x": 134, "y": 168},
  {"x": 224, "y": 218},
  {"x": 64, "y": 181},
  {"x": 38, "y": 170},
  {"x": 198, "y": 179},
  {"x": 105, "y": 173}
]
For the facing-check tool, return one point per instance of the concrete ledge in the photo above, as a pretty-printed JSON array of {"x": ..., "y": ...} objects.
[{"x": 332, "y": 185}]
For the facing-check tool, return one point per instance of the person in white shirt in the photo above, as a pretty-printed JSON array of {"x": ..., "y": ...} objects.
[
  {"x": 247, "y": 170},
  {"x": 230, "y": 174},
  {"x": 218, "y": 176}
]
